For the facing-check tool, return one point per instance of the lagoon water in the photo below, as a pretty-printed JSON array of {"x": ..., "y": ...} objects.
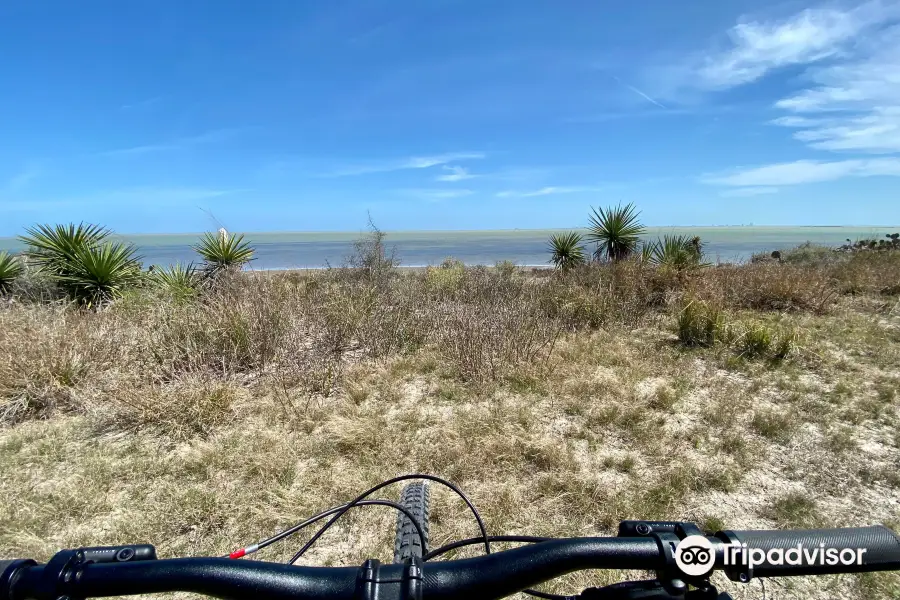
[{"x": 293, "y": 250}]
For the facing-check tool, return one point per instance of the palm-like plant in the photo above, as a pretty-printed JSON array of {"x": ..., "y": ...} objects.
[
  {"x": 53, "y": 249},
  {"x": 181, "y": 280},
  {"x": 678, "y": 251},
  {"x": 81, "y": 261},
  {"x": 616, "y": 230},
  {"x": 11, "y": 267},
  {"x": 99, "y": 274},
  {"x": 648, "y": 251},
  {"x": 565, "y": 250},
  {"x": 223, "y": 251}
]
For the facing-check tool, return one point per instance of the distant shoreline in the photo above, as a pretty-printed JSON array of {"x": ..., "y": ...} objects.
[{"x": 355, "y": 232}]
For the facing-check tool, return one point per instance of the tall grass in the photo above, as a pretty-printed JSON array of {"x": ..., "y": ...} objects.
[{"x": 700, "y": 324}]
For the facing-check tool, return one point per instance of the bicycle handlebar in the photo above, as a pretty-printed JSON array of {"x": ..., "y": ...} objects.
[{"x": 483, "y": 578}]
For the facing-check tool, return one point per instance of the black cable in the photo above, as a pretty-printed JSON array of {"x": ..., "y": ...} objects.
[
  {"x": 349, "y": 505},
  {"x": 292, "y": 530},
  {"x": 472, "y": 541},
  {"x": 547, "y": 595}
]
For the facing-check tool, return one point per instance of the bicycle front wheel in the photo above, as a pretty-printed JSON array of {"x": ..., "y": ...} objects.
[{"x": 407, "y": 544}]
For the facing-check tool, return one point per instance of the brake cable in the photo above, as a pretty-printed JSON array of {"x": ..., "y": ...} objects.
[
  {"x": 484, "y": 536},
  {"x": 292, "y": 530}
]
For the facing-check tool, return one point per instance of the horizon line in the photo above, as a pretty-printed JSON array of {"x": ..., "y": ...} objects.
[{"x": 525, "y": 229}]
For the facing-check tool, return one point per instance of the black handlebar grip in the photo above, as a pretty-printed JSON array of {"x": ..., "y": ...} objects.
[
  {"x": 9, "y": 569},
  {"x": 819, "y": 551}
]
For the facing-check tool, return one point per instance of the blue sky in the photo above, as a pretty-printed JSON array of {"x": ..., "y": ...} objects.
[{"x": 147, "y": 115}]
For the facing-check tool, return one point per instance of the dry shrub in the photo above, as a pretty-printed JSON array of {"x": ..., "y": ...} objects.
[
  {"x": 498, "y": 327},
  {"x": 379, "y": 319},
  {"x": 767, "y": 287},
  {"x": 188, "y": 407},
  {"x": 445, "y": 280},
  {"x": 49, "y": 352},
  {"x": 868, "y": 272},
  {"x": 238, "y": 327},
  {"x": 599, "y": 295}
]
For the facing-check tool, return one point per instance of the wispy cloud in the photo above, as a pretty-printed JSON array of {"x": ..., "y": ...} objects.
[
  {"x": 639, "y": 93},
  {"x": 854, "y": 104},
  {"x": 851, "y": 100},
  {"x": 142, "y": 104},
  {"x": 23, "y": 178},
  {"x": 454, "y": 173},
  {"x": 551, "y": 190},
  {"x": 133, "y": 196},
  {"x": 435, "y": 194},
  {"x": 757, "y": 47},
  {"x": 806, "y": 171},
  {"x": 746, "y": 192},
  {"x": 209, "y": 137},
  {"x": 414, "y": 162}
]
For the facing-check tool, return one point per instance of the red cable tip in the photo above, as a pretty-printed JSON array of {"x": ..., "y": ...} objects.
[{"x": 238, "y": 553}]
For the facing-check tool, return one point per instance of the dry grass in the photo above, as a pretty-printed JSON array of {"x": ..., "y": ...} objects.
[{"x": 560, "y": 404}]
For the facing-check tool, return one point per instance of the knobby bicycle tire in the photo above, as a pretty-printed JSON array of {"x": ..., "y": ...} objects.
[{"x": 407, "y": 544}]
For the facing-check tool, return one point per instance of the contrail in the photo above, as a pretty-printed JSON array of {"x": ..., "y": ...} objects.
[{"x": 640, "y": 93}]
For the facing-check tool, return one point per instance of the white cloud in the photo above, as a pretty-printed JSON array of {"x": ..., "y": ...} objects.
[
  {"x": 851, "y": 96},
  {"x": 24, "y": 177},
  {"x": 415, "y": 162},
  {"x": 133, "y": 196},
  {"x": 209, "y": 137},
  {"x": 435, "y": 195},
  {"x": 746, "y": 192},
  {"x": 456, "y": 173},
  {"x": 854, "y": 104},
  {"x": 551, "y": 190},
  {"x": 141, "y": 104},
  {"x": 806, "y": 171},
  {"x": 815, "y": 34}
]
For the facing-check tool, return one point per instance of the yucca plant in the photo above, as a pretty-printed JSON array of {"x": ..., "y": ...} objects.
[
  {"x": 11, "y": 268},
  {"x": 223, "y": 251},
  {"x": 53, "y": 248},
  {"x": 181, "y": 280},
  {"x": 81, "y": 261},
  {"x": 616, "y": 230},
  {"x": 566, "y": 252},
  {"x": 648, "y": 251},
  {"x": 99, "y": 274},
  {"x": 677, "y": 251}
]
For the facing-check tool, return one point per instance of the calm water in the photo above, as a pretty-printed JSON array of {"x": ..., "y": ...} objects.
[{"x": 524, "y": 247}]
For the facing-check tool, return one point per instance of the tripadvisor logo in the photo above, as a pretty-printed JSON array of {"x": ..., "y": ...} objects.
[{"x": 696, "y": 557}]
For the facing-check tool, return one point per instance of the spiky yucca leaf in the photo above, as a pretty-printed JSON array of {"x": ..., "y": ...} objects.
[
  {"x": 11, "y": 267},
  {"x": 648, "y": 251},
  {"x": 616, "y": 230},
  {"x": 53, "y": 248},
  {"x": 101, "y": 273},
  {"x": 223, "y": 251},
  {"x": 179, "y": 279},
  {"x": 565, "y": 250},
  {"x": 678, "y": 251}
]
